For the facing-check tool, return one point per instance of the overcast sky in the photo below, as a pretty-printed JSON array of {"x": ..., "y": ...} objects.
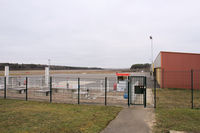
[{"x": 98, "y": 33}]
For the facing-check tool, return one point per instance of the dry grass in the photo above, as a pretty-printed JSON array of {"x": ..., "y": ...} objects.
[
  {"x": 174, "y": 111},
  {"x": 177, "y": 98},
  {"x": 22, "y": 116}
]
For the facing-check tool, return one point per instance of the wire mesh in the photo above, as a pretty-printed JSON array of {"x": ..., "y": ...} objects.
[
  {"x": 137, "y": 90},
  {"x": 15, "y": 87},
  {"x": 174, "y": 92},
  {"x": 176, "y": 89},
  {"x": 1, "y": 87},
  {"x": 92, "y": 90},
  {"x": 116, "y": 92},
  {"x": 38, "y": 88},
  {"x": 64, "y": 90}
]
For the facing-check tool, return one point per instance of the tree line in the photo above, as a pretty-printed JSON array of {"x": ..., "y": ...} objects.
[
  {"x": 138, "y": 67},
  {"x": 16, "y": 66}
]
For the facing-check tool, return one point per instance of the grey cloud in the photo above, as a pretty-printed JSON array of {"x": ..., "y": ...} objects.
[{"x": 96, "y": 33}]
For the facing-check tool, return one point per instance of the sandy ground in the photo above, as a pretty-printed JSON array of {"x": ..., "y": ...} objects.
[{"x": 150, "y": 98}]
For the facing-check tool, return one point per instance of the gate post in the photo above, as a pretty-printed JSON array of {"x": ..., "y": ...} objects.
[
  {"x": 50, "y": 89},
  {"x": 105, "y": 91},
  {"x": 145, "y": 93},
  {"x": 4, "y": 87},
  {"x": 128, "y": 91},
  {"x": 78, "y": 90},
  {"x": 154, "y": 89},
  {"x": 26, "y": 88}
]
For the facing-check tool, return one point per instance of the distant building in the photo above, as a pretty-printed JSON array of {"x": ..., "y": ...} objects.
[{"x": 173, "y": 69}]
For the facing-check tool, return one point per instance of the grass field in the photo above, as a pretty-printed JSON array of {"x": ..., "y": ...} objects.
[
  {"x": 173, "y": 110},
  {"x": 23, "y": 116},
  {"x": 177, "y": 98}
]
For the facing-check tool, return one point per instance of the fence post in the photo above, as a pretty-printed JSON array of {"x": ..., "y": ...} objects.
[
  {"x": 50, "y": 89},
  {"x": 154, "y": 89},
  {"x": 78, "y": 90},
  {"x": 4, "y": 87},
  {"x": 162, "y": 78},
  {"x": 145, "y": 92},
  {"x": 128, "y": 91},
  {"x": 192, "y": 89},
  {"x": 105, "y": 91},
  {"x": 26, "y": 88}
]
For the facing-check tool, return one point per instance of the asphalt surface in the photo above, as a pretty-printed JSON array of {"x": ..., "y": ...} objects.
[
  {"x": 132, "y": 120},
  {"x": 95, "y": 78},
  {"x": 86, "y": 75}
]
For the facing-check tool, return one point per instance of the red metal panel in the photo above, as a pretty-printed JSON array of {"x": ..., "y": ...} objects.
[
  {"x": 177, "y": 79},
  {"x": 123, "y": 74},
  {"x": 180, "y": 61},
  {"x": 177, "y": 69}
]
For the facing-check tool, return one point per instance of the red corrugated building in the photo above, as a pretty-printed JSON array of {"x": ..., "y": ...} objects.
[{"x": 174, "y": 69}]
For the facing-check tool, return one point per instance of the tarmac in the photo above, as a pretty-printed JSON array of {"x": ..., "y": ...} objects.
[{"x": 136, "y": 119}]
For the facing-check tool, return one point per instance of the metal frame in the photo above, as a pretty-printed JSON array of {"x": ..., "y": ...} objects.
[{"x": 130, "y": 90}]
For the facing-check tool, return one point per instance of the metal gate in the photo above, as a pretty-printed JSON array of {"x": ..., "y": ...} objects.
[{"x": 137, "y": 90}]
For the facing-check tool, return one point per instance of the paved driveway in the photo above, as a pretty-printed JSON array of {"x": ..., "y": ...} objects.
[{"x": 132, "y": 120}]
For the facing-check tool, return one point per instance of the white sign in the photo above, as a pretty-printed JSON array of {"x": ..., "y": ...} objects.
[{"x": 122, "y": 85}]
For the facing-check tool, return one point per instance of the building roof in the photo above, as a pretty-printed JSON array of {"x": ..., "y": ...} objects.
[{"x": 179, "y": 52}]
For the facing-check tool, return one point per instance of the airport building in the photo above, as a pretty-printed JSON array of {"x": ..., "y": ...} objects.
[{"x": 177, "y": 70}]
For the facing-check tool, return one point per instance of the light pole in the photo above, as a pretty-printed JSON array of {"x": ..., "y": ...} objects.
[
  {"x": 152, "y": 67},
  {"x": 49, "y": 60}
]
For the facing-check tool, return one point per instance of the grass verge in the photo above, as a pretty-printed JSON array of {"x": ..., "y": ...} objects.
[
  {"x": 23, "y": 116},
  {"x": 173, "y": 111}
]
